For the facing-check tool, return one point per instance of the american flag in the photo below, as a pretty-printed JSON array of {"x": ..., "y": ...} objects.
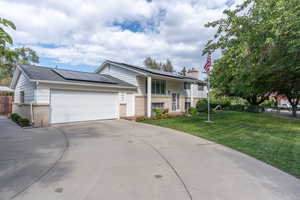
[{"x": 208, "y": 63}]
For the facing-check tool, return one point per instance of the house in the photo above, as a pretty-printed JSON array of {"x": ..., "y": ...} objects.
[
  {"x": 283, "y": 101},
  {"x": 115, "y": 90},
  {"x": 4, "y": 90}
]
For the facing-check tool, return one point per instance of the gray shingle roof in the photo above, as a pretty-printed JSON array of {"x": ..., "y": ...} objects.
[
  {"x": 49, "y": 74},
  {"x": 153, "y": 71}
]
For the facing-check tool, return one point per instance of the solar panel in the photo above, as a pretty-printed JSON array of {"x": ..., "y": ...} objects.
[{"x": 83, "y": 76}]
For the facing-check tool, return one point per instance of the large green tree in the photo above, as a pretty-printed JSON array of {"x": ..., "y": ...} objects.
[
  {"x": 260, "y": 42},
  {"x": 9, "y": 58},
  {"x": 6, "y": 54}
]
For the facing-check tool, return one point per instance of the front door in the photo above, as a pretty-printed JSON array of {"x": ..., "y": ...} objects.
[{"x": 175, "y": 102}]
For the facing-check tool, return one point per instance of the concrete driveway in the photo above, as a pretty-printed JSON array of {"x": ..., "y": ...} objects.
[
  {"x": 130, "y": 161},
  {"x": 26, "y": 155}
]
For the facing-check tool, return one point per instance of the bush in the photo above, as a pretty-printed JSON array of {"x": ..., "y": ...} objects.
[
  {"x": 24, "y": 122},
  {"x": 223, "y": 102},
  {"x": 15, "y": 117},
  {"x": 240, "y": 108},
  {"x": 158, "y": 112},
  {"x": 270, "y": 103},
  {"x": 140, "y": 119},
  {"x": 201, "y": 106},
  {"x": 193, "y": 111},
  {"x": 19, "y": 120},
  {"x": 254, "y": 109}
]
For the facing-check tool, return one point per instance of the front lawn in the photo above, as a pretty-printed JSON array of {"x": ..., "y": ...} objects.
[{"x": 271, "y": 139}]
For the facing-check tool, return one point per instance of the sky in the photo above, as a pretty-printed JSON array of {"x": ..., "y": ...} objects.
[{"x": 81, "y": 34}]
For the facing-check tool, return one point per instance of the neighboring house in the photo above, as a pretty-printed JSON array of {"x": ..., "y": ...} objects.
[
  {"x": 283, "y": 101},
  {"x": 5, "y": 89},
  {"x": 115, "y": 90}
]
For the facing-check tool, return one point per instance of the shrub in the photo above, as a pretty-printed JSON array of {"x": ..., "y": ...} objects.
[
  {"x": 254, "y": 109},
  {"x": 223, "y": 102},
  {"x": 167, "y": 116},
  {"x": 14, "y": 117},
  {"x": 19, "y": 120},
  {"x": 201, "y": 106},
  {"x": 158, "y": 112},
  {"x": 270, "y": 103},
  {"x": 24, "y": 122},
  {"x": 193, "y": 111},
  {"x": 166, "y": 111},
  {"x": 140, "y": 119},
  {"x": 240, "y": 108}
]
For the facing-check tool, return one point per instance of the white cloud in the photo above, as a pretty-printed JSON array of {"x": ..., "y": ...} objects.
[{"x": 82, "y": 32}]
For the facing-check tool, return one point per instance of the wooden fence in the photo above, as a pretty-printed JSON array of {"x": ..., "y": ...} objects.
[{"x": 5, "y": 105}]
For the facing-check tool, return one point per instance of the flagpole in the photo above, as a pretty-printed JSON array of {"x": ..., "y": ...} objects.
[
  {"x": 208, "y": 89},
  {"x": 208, "y": 97}
]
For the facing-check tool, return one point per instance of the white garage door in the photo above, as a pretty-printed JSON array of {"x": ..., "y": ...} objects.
[{"x": 72, "y": 106}]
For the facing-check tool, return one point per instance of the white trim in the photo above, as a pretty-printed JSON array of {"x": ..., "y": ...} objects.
[
  {"x": 118, "y": 106},
  {"x": 149, "y": 91},
  {"x": 192, "y": 95},
  {"x": 82, "y": 84},
  {"x": 81, "y": 90},
  {"x": 108, "y": 62},
  {"x": 103, "y": 65}
]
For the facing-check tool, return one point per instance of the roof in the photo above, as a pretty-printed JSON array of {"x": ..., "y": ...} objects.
[
  {"x": 40, "y": 73},
  {"x": 151, "y": 71},
  {"x": 5, "y": 89}
]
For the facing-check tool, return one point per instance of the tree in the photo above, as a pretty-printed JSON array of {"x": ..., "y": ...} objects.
[
  {"x": 168, "y": 67},
  {"x": 153, "y": 64},
  {"x": 261, "y": 50},
  {"x": 10, "y": 57},
  {"x": 183, "y": 71},
  {"x": 5, "y": 39},
  {"x": 23, "y": 55}
]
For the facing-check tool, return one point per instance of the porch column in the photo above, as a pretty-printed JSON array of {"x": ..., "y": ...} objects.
[
  {"x": 149, "y": 91},
  {"x": 192, "y": 95}
]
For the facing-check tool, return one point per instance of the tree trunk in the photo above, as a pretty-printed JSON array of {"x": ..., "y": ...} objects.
[
  {"x": 294, "y": 103},
  {"x": 294, "y": 110},
  {"x": 256, "y": 100}
]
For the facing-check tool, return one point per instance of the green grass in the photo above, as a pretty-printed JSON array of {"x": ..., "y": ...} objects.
[{"x": 274, "y": 140}]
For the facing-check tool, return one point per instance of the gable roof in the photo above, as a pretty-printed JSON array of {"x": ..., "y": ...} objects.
[
  {"x": 51, "y": 75},
  {"x": 145, "y": 70}
]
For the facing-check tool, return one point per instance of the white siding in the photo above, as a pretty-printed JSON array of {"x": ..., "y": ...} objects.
[
  {"x": 120, "y": 73},
  {"x": 43, "y": 90},
  {"x": 43, "y": 94},
  {"x": 28, "y": 87},
  {"x": 139, "y": 81},
  {"x": 141, "y": 85},
  {"x": 200, "y": 94},
  {"x": 176, "y": 87}
]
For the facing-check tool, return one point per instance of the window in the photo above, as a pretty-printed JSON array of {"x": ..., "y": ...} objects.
[
  {"x": 157, "y": 86},
  {"x": 22, "y": 97},
  {"x": 187, "y": 86},
  {"x": 157, "y": 105},
  {"x": 200, "y": 87},
  {"x": 175, "y": 102},
  {"x": 122, "y": 98},
  {"x": 187, "y": 105}
]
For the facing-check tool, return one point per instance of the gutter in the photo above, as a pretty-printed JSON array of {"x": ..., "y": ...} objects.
[{"x": 71, "y": 83}]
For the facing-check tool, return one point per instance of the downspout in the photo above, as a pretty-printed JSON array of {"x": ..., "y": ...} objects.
[
  {"x": 31, "y": 104},
  {"x": 31, "y": 113}
]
